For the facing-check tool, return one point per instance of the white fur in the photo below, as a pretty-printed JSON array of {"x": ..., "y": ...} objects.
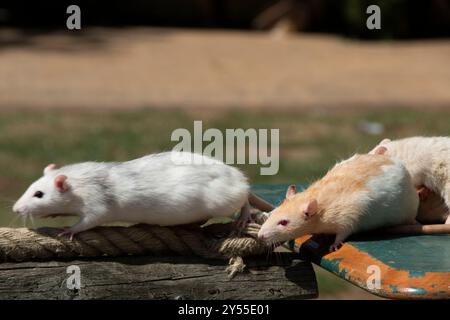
[
  {"x": 391, "y": 199},
  {"x": 152, "y": 189},
  {"x": 427, "y": 160}
]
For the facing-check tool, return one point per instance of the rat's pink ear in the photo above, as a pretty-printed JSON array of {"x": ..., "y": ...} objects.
[
  {"x": 61, "y": 183},
  {"x": 291, "y": 191},
  {"x": 49, "y": 168},
  {"x": 380, "y": 150},
  {"x": 311, "y": 208}
]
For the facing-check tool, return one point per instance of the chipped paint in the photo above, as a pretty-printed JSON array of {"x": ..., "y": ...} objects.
[
  {"x": 396, "y": 283},
  {"x": 393, "y": 288},
  {"x": 419, "y": 291},
  {"x": 332, "y": 264},
  {"x": 415, "y": 274}
]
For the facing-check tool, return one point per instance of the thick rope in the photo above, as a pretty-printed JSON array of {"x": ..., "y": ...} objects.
[{"x": 217, "y": 241}]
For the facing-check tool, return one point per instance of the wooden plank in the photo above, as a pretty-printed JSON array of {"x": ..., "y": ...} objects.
[{"x": 159, "y": 278}]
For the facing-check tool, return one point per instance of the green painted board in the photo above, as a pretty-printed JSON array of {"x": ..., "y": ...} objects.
[{"x": 417, "y": 254}]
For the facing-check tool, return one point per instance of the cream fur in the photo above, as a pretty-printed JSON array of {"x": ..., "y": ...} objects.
[
  {"x": 362, "y": 193},
  {"x": 427, "y": 160}
]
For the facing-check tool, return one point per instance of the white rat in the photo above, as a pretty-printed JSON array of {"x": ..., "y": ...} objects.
[
  {"x": 428, "y": 162},
  {"x": 170, "y": 188},
  {"x": 362, "y": 193}
]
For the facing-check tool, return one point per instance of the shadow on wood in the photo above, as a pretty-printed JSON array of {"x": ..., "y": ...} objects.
[{"x": 282, "y": 276}]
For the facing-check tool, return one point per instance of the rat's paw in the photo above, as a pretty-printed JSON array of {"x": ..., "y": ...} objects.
[
  {"x": 242, "y": 223},
  {"x": 336, "y": 246},
  {"x": 66, "y": 232},
  {"x": 244, "y": 218}
]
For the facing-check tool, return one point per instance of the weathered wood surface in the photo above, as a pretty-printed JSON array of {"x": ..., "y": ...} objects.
[{"x": 160, "y": 278}]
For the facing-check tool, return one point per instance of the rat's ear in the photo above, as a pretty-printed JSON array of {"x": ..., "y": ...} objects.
[
  {"x": 291, "y": 191},
  {"x": 49, "y": 168},
  {"x": 61, "y": 183},
  {"x": 310, "y": 209},
  {"x": 380, "y": 150}
]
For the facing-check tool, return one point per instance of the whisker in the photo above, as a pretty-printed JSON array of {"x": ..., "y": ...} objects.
[
  {"x": 276, "y": 253},
  {"x": 24, "y": 221},
  {"x": 13, "y": 221},
  {"x": 33, "y": 225},
  {"x": 268, "y": 252},
  {"x": 271, "y": 253}
]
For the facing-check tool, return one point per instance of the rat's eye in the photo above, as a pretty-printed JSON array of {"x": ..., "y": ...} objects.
[
  {"x": 38, "y": 194},
  {"x": 283, "y": 222}
]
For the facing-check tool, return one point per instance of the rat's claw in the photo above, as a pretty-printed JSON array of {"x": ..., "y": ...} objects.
[
  {"x": 244, "y": 217},
  {"x": 242, "y": 223},
  {"x": 336, "y": 246},
  {"x": 66, "y": 232}
]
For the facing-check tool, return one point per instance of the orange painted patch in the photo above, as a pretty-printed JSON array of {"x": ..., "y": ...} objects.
[{"x": 351, "y": 264}]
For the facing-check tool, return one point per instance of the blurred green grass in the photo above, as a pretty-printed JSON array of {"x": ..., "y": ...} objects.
[{"x": 310, "y": 142}]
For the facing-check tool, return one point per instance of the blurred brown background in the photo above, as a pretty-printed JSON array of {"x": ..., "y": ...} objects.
[{"x": 257, "y": 54}]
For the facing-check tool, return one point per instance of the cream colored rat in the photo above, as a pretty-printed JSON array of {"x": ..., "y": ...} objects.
[
  {"x": 427, "y": 160},
  {"x": 362, "y": 193},
  {"x": 165, "y": 189}
]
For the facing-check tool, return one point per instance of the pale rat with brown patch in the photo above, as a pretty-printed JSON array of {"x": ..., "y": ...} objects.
[
  {"x": 427, "y": 160},
  {"x": 362, "y": 193}
]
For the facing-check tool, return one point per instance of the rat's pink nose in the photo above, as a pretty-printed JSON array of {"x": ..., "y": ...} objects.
[{"x": 17, "y": 209}]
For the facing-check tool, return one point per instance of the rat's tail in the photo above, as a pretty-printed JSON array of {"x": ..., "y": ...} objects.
[
  {"x": 259, "y": 203},
  {"x": 419, "y": 229}
]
